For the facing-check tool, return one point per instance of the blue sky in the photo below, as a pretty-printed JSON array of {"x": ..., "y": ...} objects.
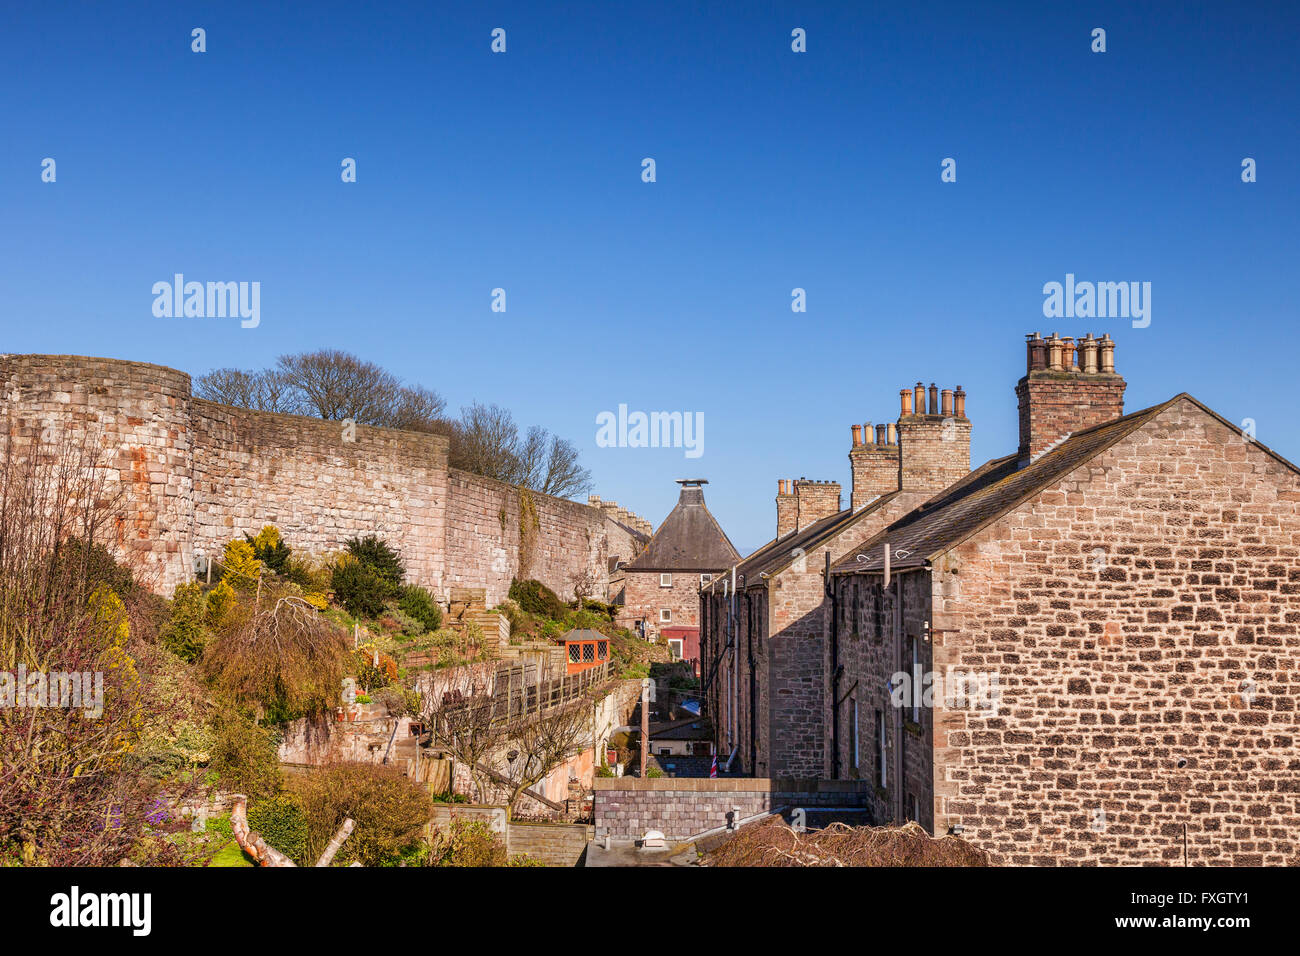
[{"x": 775, "y": 170}]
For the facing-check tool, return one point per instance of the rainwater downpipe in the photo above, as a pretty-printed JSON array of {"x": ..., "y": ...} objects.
[{"x": 835, "y": 670}]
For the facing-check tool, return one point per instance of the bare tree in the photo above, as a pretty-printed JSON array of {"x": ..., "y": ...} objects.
[
  {"x": 563, "y": 477},
  {"x": 542, "y": 742},
  {"x": 584, "y": 586},
  {"x": 336, "y": 385},
  {"x": 416, "y": 409},
  {"x": 266, "y": 391},
  {"x": 486, "y": 441},
  {"x": 471, "y": 727}
]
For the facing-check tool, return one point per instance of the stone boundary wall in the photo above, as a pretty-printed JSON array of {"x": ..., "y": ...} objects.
[
  {"x": 195, "y": 474},
  {"x": 680, "y": 807},
  {"x": 255, "y": 468},
  {"x": 554, "y": 844},
  {"x": 140, "y": 415},
  {"x": 496, "y": 531}
]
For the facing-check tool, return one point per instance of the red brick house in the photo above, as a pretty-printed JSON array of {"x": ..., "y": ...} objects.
[
  {"x": 1104, "y": 630},
  {"x": 662, "y": 585}
]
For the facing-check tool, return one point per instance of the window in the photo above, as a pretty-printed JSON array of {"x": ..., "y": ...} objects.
[
  {"x": 675, "y": 648},
  {"x": 705, "y": 578},
  {"x": 916, "y": 809},
  {"x": 575, "y": 653},
  {"x": 665, "y": 614},
  {"x": 881, "y": 761},
  {"x": 665, "y": 580},
  {"x": 588, "y": 653},
  {"x": 602, "y": 650}
]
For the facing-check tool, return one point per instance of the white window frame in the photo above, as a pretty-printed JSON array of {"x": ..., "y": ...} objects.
[
  {"x": 665, "y": 615},
  {"x": 706, "y": 579},
  {"x": 665, "y": 580},
  {"x": 678, "y": 641}
]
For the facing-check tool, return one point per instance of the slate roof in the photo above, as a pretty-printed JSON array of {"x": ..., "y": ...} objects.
[
  {"x": 988, "y": 493},
  {"x": 779, "y": 552},
  {"x": 690, "y": 539},
  {"x": 691, "y": 728}
]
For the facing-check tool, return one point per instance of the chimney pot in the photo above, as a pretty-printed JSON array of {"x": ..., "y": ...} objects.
[
  {"x": 905, "y": 401},
  {"x": 1054, "y": 357},
  {"x": 1037, "y": 347},
  {"x": 857, "y": 435},
  {"x": 1107, "y": 348},
  {"x": 1088, "y": 355},
  {"x": 1067, "y": 357},
  {"x": 946, "y": 410},
  {"x": 920, "y": 398},
  {"x": 891, "y": 434},
  {"x": 960, "y": 397},
  {"x": 934, "y": 399}
]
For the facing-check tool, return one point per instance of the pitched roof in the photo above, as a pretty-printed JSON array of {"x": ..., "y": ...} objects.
[
  {"x": 779, "y": 552},
  {"x": 988, "y": 493},
  {"x": 690, "y": 538}
]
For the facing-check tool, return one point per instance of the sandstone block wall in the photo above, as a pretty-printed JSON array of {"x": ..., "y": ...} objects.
[
  {"x": 626, "y": 807},
  {"x": 196, "y": 474},
  {"x": 1144, "y": 616},
  {"x": 139, "y": 416},
  {"x": 496, "y": 532},
  {"x": 255, "y": 468}
]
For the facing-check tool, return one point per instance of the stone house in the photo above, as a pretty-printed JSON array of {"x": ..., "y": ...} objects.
[
  {"x": 661, "y": 585},
  {"x": 1084, "y": 651},
  {"x": 763, "y": 640}
]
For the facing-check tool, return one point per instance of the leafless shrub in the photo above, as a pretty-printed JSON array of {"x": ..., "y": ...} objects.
[{"x": 773, "y": 843}]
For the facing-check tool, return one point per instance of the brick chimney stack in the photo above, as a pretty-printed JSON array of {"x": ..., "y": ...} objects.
[
  {"x": 933, "y": 438},
  {"x": 1068, "y": 386},
  {"x": 787, "y": 508},
  {"x": 815, "y": 500},
  {"x": 873, "y": 463}
]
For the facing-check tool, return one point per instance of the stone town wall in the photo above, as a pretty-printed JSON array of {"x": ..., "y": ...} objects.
[
  {"x": 496, "y": 532},
  {"x": 195, "y": 474},
  {"x": 138, "y": 418},
  {"x": 297, "y": 473}
]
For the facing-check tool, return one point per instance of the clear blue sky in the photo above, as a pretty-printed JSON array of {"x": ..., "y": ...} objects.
[{"x": 775, "y": 170}]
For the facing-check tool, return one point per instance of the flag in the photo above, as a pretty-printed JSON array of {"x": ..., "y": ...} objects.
[{"x": 713, "y": 768}]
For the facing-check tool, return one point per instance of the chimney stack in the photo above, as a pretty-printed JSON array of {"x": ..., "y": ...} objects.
[
  {"x": 787, "y": 508},
  {"x": 815, "y": 500},
  {"x": 933, "y": 439},
  {"x": 1059, "y": 397},
  {"x": 874, "y": 466}
]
